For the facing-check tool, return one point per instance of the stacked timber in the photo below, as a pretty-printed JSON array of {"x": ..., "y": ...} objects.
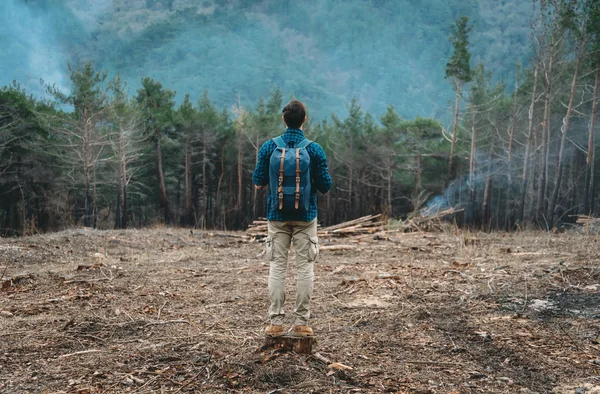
[
  {"x": 431, "y": 222},
  {"x": 587, "y": 221},
  {"x": 258, "y": 228},
  {"x": 369, "y": 224}
]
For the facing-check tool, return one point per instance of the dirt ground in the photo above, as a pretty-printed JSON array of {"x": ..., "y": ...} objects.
[{"x": 169, "y": 311}]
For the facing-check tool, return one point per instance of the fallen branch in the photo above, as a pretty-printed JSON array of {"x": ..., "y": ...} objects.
[
  {"x": 322, "y": 358},
  {"x": 160, "y": 323},
  {"x": 337, "y": 247},
  {"x": 430, "y": 362},
  {"x": 351, "y": 222},
  {"x": 80, "y": 353}
]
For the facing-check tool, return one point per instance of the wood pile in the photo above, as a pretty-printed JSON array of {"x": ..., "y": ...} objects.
[
  {"x": 429, "y": 222},
  {"x": 587, "y": 221},
  {"x": 258, "y": 228},
  {"x": 370, "y": 226}
]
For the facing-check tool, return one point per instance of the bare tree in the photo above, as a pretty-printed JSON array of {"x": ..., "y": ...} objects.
[
  {"x": 126, "y": 139},
  {"x": 80, "y": 145},
  {"x": 565, "y": 127}
]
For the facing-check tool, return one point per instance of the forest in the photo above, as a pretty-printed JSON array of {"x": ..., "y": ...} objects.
[
  {"x": 516, "y": 153},
  {"x": 457, "y": 248}
]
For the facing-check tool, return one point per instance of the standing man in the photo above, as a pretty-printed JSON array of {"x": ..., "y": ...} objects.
[{"x": 295, "y": 168}]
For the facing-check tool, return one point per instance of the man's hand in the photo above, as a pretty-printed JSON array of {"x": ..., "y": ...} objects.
[{"x": 258, "y": 187}]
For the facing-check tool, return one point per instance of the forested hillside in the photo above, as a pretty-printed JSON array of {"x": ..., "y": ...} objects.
[
  {"x": 325, "y": 51},
  {"x": 423, "y": 118}
]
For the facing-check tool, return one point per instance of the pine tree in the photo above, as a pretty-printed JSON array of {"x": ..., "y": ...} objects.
[{"x": 458, "y": 69}]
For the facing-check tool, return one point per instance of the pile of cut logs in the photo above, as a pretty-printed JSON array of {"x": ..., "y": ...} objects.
[
  {"x": 375, "y": 226},
  {"x": 258, "y": 228},
  {"x": 430, "y": 222},
  {"x": 370, "y": 224},
  {"x": 587, "y": 221}
]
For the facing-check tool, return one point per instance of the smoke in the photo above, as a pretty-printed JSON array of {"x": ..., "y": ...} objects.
[
  {"x": 32, "y": 49},
  {"x": 89, "y": 12},
  {"x": 467, "y": 193}
]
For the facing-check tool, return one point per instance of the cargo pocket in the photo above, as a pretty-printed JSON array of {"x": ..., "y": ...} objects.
[
  {"x": 313, "y": 251},
  {"x": 270, "y": 248}
]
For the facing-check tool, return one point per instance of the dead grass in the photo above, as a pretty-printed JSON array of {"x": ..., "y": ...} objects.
[{"x": 165, "y": 310}]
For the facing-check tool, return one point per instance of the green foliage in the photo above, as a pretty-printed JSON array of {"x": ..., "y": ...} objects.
[
  {"x": 593, "y": 30},
  {"x": 157, "y": 105},
  {"x": 459, "y": 65}
]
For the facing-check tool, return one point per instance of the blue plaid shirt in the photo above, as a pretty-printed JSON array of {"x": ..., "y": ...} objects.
[{"x": 319, "y": 173}]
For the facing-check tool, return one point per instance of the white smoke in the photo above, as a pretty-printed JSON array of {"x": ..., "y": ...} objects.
[
  {"x": 89, "y": 12},
  {"x": 30, "y": 49}
]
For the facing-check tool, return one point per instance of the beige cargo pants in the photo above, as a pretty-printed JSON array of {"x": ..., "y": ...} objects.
[{"x": 280, "y": 236}]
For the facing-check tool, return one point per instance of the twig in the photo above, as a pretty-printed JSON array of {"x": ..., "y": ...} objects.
[
  {"x": 204, "y": 367},
  {"x": 160, "y": 310},
  {"x": 81, "y": 352},
  {"x": 160, "y": 323},
  {"x": 6, "y": 334},
  {"x": 322, "y": 358},
  {"x": 429, "y": 362},
  {"x": 568, "y": 336},
  {"x": 66, "y": 282}
]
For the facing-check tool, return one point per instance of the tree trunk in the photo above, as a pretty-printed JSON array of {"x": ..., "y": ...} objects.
[
  {"x": 94, "y": 199},
  {"x": 88, "y": 198},
  {"x": 419, "y": 174},
  {"x": 511, "y": 133},
  {"x": 204, "y": 183},
  {"x": 454, "y": 127},
  {"x": 350, "y": 178},
  {"x": 561, "y": 153},
  {"x": 589, "y": 177},
  {"x": 219, "y": 204},
  {"x": 118, "y": 203},
  {"x": 254, "y": 190},
  {"x": 487, "y": 195},
  {"x": 528, "y": 147},
  {"x": 472, "y": 156},
  {"x": 240, "y": 168},
  {"x": 535, "y": 173},
  {"x": 389, "y": 193},
  {"x": 124, "y": 208},
  {"x": 187, "y": 216},
  {"x": 118, "y": 200},
  {"x": 164, "y": 205},
  {"x": 543, "y": 179}
]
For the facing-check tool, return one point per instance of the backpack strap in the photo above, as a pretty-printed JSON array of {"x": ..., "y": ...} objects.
[
  {"x": 279, "y": 142},
  {"x": 304, "y": 143},
  {"x": 297, "y": 199},
  {"x": 281, "y": 172}
]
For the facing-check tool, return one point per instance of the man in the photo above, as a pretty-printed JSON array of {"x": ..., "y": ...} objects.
[{"x": 292, "y": 214}]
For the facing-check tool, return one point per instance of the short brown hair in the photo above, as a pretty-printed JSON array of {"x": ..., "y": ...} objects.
[{"x": 294, "y": 113}]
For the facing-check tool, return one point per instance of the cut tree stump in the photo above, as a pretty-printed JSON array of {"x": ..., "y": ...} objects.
[{"x": 288, "y": 343}]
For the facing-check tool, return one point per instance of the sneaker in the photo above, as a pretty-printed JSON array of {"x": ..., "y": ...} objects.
[
  {"x": 274, "y": 330},
  {"x": 302, "y": 331}
]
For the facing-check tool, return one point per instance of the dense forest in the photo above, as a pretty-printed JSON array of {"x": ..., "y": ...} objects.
[
  {"x": 518, "y": 151},
  {"x": 383, "y": 52}
]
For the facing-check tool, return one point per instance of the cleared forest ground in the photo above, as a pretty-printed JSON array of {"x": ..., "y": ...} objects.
[{"x": 166, "y": 310}]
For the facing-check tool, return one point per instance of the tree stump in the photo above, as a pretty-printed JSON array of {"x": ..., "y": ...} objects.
[{"x": 288, "y": 343}]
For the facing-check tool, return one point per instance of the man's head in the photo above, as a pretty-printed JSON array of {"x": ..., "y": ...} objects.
[{"x": 294, "y": 114}]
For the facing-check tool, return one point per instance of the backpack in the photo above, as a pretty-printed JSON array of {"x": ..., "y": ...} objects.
[{"x": 289, "y": 177}]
